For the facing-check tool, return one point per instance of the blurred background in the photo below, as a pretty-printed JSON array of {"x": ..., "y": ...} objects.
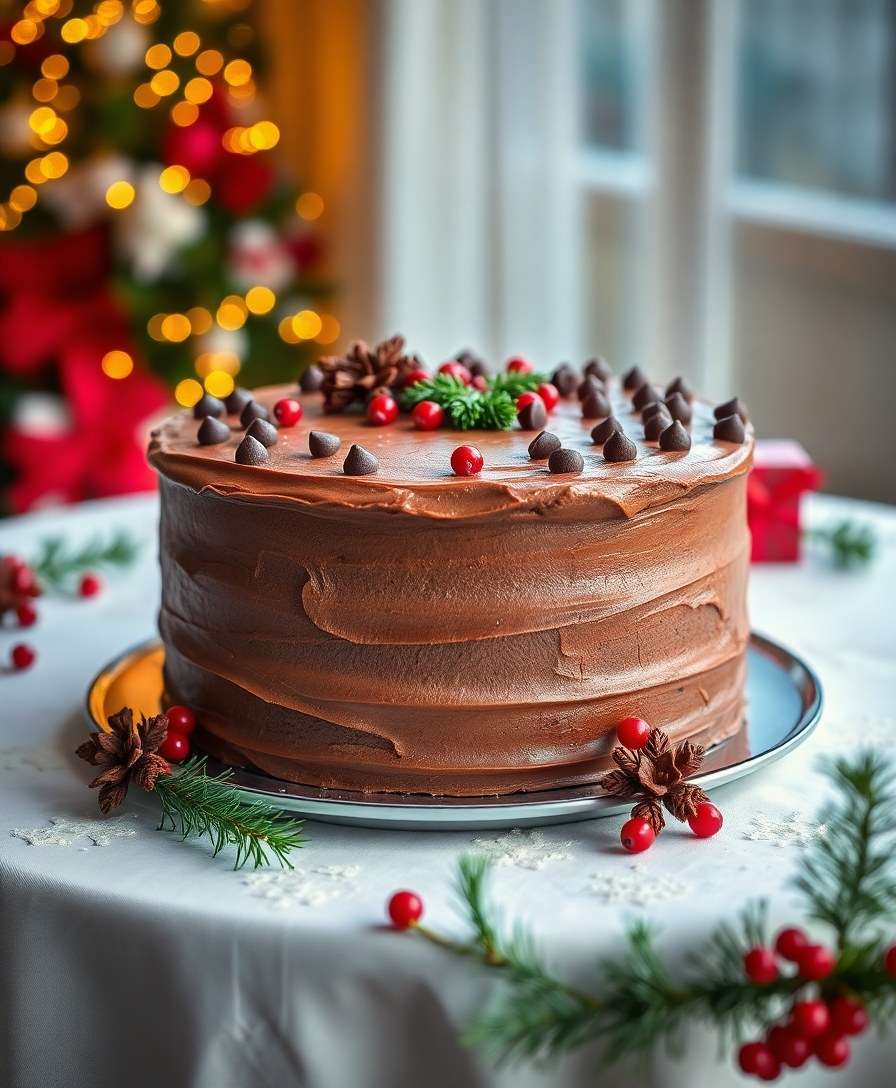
[{"x": 210, "y": 192}]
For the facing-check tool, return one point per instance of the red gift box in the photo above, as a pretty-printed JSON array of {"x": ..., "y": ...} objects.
[{"x": 782, "y": 473}]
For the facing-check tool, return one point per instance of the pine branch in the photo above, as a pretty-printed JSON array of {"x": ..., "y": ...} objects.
[
  {"x": 514, "y": 383},
  {"x": 195, "y": 803},
  {"x": 850, "y": 544},
  {"x": 466, "y": 408},
  {"x": 55, "y": 564}
]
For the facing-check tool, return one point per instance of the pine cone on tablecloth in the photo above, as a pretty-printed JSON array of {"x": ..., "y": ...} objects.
[
  {"x": 363, "y": 372},
  {"x": 128, "y": 751}
]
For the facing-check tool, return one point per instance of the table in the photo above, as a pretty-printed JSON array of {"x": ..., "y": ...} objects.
[{"x": 131, "y": 959}]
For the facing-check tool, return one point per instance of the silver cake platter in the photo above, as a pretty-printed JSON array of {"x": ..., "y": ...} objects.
[{"x": 784, "y": 702}]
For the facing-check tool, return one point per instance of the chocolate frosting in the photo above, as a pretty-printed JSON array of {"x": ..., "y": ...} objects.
[{"x": 416, "y": 631}]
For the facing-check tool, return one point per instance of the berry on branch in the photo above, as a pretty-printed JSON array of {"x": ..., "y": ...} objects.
[{"x": 405, "y": 909}]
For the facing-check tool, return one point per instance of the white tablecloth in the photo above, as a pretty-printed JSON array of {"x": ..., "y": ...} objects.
[{"x": 139, "y": 961}]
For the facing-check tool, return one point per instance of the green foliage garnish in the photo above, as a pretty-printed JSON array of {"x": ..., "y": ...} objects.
[
  {"x": 56, "y": 564},
  {"x": 468, "y": 408},
  {"x": 850, "y": 543}
]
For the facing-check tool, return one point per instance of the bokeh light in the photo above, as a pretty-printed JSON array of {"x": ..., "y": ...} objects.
[
  {"x": 117, "y": 364},
  {"x": 260, "y": 300},
  {"x": 187, "y": 392},
  {"x": 120, "y": 194},
  {"x": 310, "y": 206}
]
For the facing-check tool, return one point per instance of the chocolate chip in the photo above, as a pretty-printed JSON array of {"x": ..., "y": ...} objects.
[
  {"x": 679, "y": 385},
  {"x": 588, "y": 386},
  {"x": 237, "y": 401},
  {"x": 543, "y": 445},
  {"x": 733, "y": 407},
  {"x": 598, "y": 368},
  {"x": 250, "y": 452},
  {"x": 212, "y": 431},
  {"x": 323, "y": 444},
  {"x": 602, "y": 431},
  {"x": 534, "y": 416},
  {"x": 312, "y": 379},
  {"x": 253, "y": 410},
  {"x": 652, "y": 409},
  {"x": 265, "y": 432},
  {"x": 596, "y": 406},
  {"x": 619, "y": 447},
  {"x": 564, "y": 460},
  {"x": 655, "y": 426},
  {"x": 565, "y": 379},
  {"x": 729, "y": 429},
  {"x": 675, "y": 438},
  {"x": 360, "y": 462},
  {"x": 634, "y": 378},
  {"x": 679, "y": 408},
  {"x": 207, "y": 405},
  {"x": 647, "y": 394}
]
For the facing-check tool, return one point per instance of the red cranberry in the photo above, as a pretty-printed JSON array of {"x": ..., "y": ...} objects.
[
  {"x": 757, "y": 1060},
  {"x": 706, "y": 821},
  {"x": 832, "y": 1050},
  {"x": 456, "y": 370},
  {"x": 22, "y": 656},
  {"x": 466, "y": 461},
  {"x": 26, "y": 614},
  {"x": 848, "y": 1017},
  {"x": 479, "y": 382},
  {"x": 175, "y": 747},
  {"x": 382, "y": 409},
  {"x": 427, "y": 415},
  {"x": 810, "y": 1018},
  {"x": 816, "y": 962},
  {"x": 90, "y": 585},
  {"x": 790, "y": 942},
  {"x": 518, "y": 365},
  {"x": 525, "y": 399},
  {"x": 890, "y": 961},
  {"x": 637, "y": 835},
  {"x": 23, "y": 582},
  {"x": 288, "y": 411},
  {"x": 549, "y": 394},
  {"x": 633, "y": 733},
  {"x": 418, "y": 374},
  {"x": 181, "y": 719},
  {"x": 788, "y": 1046},
  {"x": 405, "y": 909},
  {"x": 760, "y": 966}
]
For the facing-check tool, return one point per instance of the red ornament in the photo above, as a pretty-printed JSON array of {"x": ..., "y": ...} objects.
[
  {"x": 790, "y": 943},
  {"x": 706, "y": 821},
  {"x": 242, "y": 182},
  {"x": 382, "y": 409},
  {"x": 525, "y": 399},
  {"x": 832, "y": 1050},
  {"x": 405, "y": 909},
  {"x": 788, "y": 1046},
  {"x": 288, "y": 411},
  {"x": 518, "y": 365},
  {"x": 816, "y": 962},
  {"x": 890, "y": 961},
  {"x": 175, "y": 747},
  {"x": 637, "y": 835},
  {"x": 428, "y": 416},
  {"x": 90, "y": 585},
  {"x": 181, "y": 719},
  {"x": 456, "y": 370},
  {"x": 848, "y": 1017},
  {"x": 466, "y": 461},
  {"x": 810, "y": 1018},
  {"x": 418, "y": 374},
  {"x": 757, "y": 1060},
  {"x": 479, "y": 382},
  {"x": 22, "y": 656},
  {"x": 760, "y": 966},
  {"x": 633, "y": 733},
  {"x": 22, "y": 581},
  {"x": 549, "y": 394},
  {"x": 26, "y": 614}
]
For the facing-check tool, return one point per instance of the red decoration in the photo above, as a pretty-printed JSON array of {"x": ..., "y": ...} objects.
[
  {"x": 479, "y": 382},
  {"x": 26, "y": 614},
  {"x": 810, "y": 1018},
  {"x": 788, "y": 1046},
  {"x": 816, "y": 962},
  {"x": 525, "y": 399},
  {"x": 22, "y": 656},
  {"x": 22, "y": 580},
  {"x": 518, "y": 365},
  {"x": 637, "y": 835},
  {"x": 760, "y": 966},
  {"x": 428, "y": 416},
  {"x": 706, "y": 821},
  {"x": 405, "y": 909},
  {"x": 633, "y": 733},
  {"x": 90, "y": 585},
  {"x": 175, "y": 747},
  {"x": 890, "y": 961},
  {"x": 549, "y": 394},
  {"x": 848, "y": 1017},
  {"x": 790, "y": 943},
  {"x": 181, "y": 719},
  {"x": 288, "y": 411},
  {"x": 197, "y": 147},
  {"x": 418, "y": 374},
  {"x": 466, "y": 461},
  {"x": 757, "y": 1060},
  {"x": 382, "y": 409},
  {"x": 456, "y": 370},
  {"x": 242, "y": 182},
  {"x": 832, "y": 1050},
  {"x": 782, "y": 473}
]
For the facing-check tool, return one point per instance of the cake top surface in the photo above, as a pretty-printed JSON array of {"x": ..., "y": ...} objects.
[{"x": 413, "y": 467}]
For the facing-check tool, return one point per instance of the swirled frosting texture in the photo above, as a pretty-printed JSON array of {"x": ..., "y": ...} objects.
[{"x": 413, "y": 631}]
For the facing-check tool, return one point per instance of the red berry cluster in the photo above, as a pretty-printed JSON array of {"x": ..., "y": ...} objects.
[
  {"x": 20, "y": 587},
  {"x": 815, "y": 1026},
  {"x": 181, "y": 723}
]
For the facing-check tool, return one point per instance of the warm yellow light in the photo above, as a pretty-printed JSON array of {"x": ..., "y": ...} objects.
[
  {"x": 95, "y": 28},
  {"x": 184, "y": 114},
  {"x": 46, "y": 7},
  {"x": 34, "y": 172},
  {"x": 200, "y": 320},
  {"x": 157, "y": 56},
  {"x": 109, "y": 12},
  {"x": 310, "y": 206},
  {"x": 174, "y": 179},
  {"x": 286, "y": 331},
  {"x": 209, "y": 62},
  {"x": 238, "y": 72},
  {"x": 154, "y": 326},
  {"x": 226, "y": 361},
  {"x": 242, "y": 94},
  {"x": 51, "y": 166},
  {"x": 231, "y": 314},
  {"x": 54, "y": 67},
  {"x": 176, "y": 328},
  {"x": 197, "y": 192},
  {"x": 23, "y": 198},
  {"x": 219, "y": 384},
  {"x": 330, "y": 330},
  {"x": 145, "y": 96},
  {"x": 260, "y": 300},
  {"x": 198, "y": 89},
  {"x": 187, "y": 392},
  {"x": 264, "y": 135},
  {"x": 68, "y": 97},
  {"x": 117, "y": 364},
  {"x": 145, "y": 11},
  {"x": 74, "y": 31},
  {"x": 165, "y": 82},
  {"x": 9, "y": 217},
  {"x": 186, "y": 43},
  {"x": 120, "y": 194},
  {"x": 7, "y": 53},
  {"x": 45, "y": 90},
  {"x": 231, "y": 140},
  {"x": 42, "y": 120},
  {"x": 306, "y": 324},
  {"x": 24, "y": 32},
  {"x": 57, "y": 133}
]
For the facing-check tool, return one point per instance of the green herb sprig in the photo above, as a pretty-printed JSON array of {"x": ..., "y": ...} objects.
[
  {"x": 471, "y": 409},
  {"x": 850, "y": 544},
  {"x": 56, "y": 563}
]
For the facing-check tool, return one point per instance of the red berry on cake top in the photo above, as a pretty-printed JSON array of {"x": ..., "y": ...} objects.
[
  {"x": 288, "y": 411},
  {"x": 382, "y": 409},
  {"x": 456, "y": 370},
  {"x": 466, "y": 461},
  {"x": 427, "y": 415},
  {"x": 518, "y": 365}
]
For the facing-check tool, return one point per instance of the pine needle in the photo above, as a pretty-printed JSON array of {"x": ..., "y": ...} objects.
[
  {"x": 849, "y": 543},
  {"x": 55, "y": 564}
]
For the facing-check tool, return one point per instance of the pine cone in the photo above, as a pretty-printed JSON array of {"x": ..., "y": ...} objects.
[
  {"x": 127, "y": 751},
  {"x": 363, "y": 372}
]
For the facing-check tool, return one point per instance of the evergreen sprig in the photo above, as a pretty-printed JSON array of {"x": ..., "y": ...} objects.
[
  {"x": 850, "y": 544},
  {"x": 195, "y": 803},
  {"x": 848, "y": 882},
  {"x": 56, "y": 563},
  {"x": 468, "y": 408}
]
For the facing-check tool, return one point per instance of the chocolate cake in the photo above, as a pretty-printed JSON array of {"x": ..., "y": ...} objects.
[{"x": 342, "y": 610}]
